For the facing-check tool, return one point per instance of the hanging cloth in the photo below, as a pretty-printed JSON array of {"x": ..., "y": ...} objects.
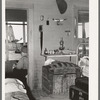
[
  {"x": 10, "y": 33},
  {"x": 84, "y": 36}
]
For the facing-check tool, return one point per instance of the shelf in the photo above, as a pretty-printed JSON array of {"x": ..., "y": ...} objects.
[
  {"x": 72, "y": 58},
  {"x": 63, "y": 55}
]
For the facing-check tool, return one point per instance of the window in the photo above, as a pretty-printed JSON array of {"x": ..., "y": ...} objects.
[
  {"x": 82, "y": 24},
  {"x": 19, "y": 30}
]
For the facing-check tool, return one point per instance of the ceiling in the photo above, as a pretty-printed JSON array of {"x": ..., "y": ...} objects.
[{"x": 43, "y": 1}]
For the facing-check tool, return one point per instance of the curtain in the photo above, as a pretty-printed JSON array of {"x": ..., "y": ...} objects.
[
  {"x": 84, "y": 36},
  {"x": 83, "y": 16}
]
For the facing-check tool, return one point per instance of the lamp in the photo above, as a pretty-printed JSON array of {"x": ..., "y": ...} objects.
[{"x": 61, "y": 45}]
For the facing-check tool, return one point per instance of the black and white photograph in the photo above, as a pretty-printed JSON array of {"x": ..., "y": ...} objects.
[{"x": 47, "y": 50}]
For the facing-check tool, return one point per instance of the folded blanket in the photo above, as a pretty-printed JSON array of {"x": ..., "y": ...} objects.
[{"x": 19, "y": 96}]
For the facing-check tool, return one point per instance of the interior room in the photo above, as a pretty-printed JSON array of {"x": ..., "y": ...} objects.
[{"x": 56, "y": 34}]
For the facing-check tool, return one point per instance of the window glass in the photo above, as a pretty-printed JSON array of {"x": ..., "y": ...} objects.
[
  {"x": 87, "y": 29},
  {"x": 14, "y": 22},
  {"x": 18, "y": 31},
  {"x": 80, "y": 29}
]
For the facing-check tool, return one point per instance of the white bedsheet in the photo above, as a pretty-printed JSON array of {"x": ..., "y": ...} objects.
[
  {"x": 14, "y": 85},
  {"x": 14, "y": 90}
]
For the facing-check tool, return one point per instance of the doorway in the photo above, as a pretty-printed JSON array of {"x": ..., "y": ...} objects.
[{"x": 16, "y": 32}]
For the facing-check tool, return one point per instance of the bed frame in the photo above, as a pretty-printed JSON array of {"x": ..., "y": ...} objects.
[{"x": 80, "y": 52}]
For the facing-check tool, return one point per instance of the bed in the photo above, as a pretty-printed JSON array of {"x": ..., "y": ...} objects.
[
  {"x": 16, "y": 87},
  {"x": 15, "y": 90}
]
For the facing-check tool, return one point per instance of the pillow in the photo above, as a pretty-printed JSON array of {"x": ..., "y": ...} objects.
[{"x": 84, "y": 64}]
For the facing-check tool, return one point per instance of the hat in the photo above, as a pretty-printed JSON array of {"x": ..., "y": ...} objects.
[{"x": 24, "y": 49}]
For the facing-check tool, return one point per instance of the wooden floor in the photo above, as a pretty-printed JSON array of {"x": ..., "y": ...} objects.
[{"x": 40, "y": 95}]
